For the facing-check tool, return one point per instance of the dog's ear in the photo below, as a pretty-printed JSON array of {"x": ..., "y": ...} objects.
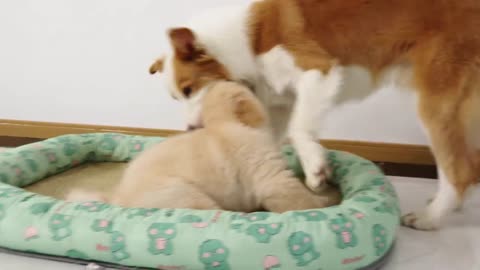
[
  {"x": 184, "y": 42},
  {"x": 157, "y": 66}
]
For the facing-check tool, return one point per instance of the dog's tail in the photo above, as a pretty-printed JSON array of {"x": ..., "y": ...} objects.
[{"x": 79, "y": 195}]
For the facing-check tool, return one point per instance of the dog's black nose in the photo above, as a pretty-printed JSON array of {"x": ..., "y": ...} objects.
[{"x": 191, "y": 127}]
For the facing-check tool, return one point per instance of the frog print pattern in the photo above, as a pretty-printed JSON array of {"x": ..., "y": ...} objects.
[
  {"x": 9, "y": 192},
  {"x": 313, "y": 215},
  {"x": 190, "y": 219},
  {"x": 32, "y": 165},
  {"x": 213, "y": 254},
  {"x": 271, "y": 262},
  {"x": 141, "y": 212},
  {"x": 92, "y": 207},
  {"x": 349, "y": 234},
  {"x": 118, "y": 247},
  {"x": 300, "y": 246},
  {"x": 384, "y": 186},
  {"x": 108, "y": 144},
  {"x": 161, "y": 236},
  {"x": 60, "y": 226},
  {"x": 75, "y": 254},
  {"x": 41, "y": 208},
  {"x": 252, "y": 217},
  {"x": 380, "y": 240},
  {"x": 50, "y": 156},
  {"x": 386, "y": 208},
  {"x": 68, "y": 147},
  {"x": 196, "y": 221},
  {"x": 4, "y": 178},
  {"x": 344, "y": 228},
  {"x": 365, "y": 199},
  {"x": 3, "y": 213},
  {"x": 102, "y": 225},
  {"x": 137, "y": 146},
  {"x": 264, "y": 232},
  {"x": 357, "y": 214},
  {"x": 21, "y": 176}
]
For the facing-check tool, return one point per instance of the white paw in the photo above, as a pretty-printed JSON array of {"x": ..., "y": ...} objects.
[
  {"x": 317, "y": 173},
  {"x": 420, "y": 221},
  {"x": 458, "y": 208}
]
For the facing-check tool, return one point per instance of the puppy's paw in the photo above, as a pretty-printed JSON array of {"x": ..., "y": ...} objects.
[{"x": 420, "y": 221}]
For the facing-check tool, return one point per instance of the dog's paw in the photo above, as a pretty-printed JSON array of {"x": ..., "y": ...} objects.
[
  {"x": 420, "y": 221},
  {"x": 316, "y": 178},
  {"x": 458, "y": 208}
]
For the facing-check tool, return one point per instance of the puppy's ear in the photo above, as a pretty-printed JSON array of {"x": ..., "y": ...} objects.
[
  {"x": 249, "y": 111},
  {"x": 184, "y": 42},
  {"x": 157, "y": 66}
]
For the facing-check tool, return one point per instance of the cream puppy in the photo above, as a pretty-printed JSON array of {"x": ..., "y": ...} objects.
[{"x": 232, "y": 163}]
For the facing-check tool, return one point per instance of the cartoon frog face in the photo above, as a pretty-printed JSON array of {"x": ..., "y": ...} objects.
[
  {"x": 380, "y": 239},
  {"x": 59, "y": 221},
  {"x": 252, "y": 217},
  {"x": 264, "y": 232},
  {"x": 341, "y": 224},
  {"x": 213, "y": 252},
  {"x": 162, "y": 230},
  {"x": 344, "y": 228},
  {"x": 300, "y": 243},
  {"x": 59, "y": 226},
  {"x": 119, "y": 247}
]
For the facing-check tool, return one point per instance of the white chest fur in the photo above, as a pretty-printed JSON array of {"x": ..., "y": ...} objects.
[{"x": 280, "y": 73}]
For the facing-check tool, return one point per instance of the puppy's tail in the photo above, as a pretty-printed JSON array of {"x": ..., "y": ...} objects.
[{"x": 79, "y": 195}]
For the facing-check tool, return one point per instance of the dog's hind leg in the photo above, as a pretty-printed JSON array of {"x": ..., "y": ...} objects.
[{"x": 446, "y": 90}]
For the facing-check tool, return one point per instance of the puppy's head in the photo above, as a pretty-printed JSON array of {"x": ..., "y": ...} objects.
[
  {"x": 190, "y": 70},
  {"x": 232, "y": 102}
]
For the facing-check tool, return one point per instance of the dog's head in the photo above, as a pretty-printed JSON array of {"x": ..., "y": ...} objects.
[
  {"x": 190, "y": 71},
  {"x": 232, "y": 102}
]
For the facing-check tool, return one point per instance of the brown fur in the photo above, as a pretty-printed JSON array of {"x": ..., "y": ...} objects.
[
  {"x": 439, "y": 38},
  {"x": 195, "y": 68},
  {"x": 231, "y": 164}
]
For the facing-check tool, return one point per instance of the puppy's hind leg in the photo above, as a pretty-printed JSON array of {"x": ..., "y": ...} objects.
[
  {"x": 283, "y": 192},
  {"x": 176, "y": 195}
]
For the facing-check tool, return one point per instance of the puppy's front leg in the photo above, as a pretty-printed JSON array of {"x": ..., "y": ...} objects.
[{"x": 316, "y": 93}]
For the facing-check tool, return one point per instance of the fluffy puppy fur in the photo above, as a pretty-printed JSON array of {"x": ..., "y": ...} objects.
[{"x": 232, "y": 163}]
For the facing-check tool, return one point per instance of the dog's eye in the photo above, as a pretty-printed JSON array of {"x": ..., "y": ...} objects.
[{"x": 187, "y": 91}]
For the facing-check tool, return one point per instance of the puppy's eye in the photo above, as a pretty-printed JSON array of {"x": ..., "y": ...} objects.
[{"x": 187, "y": 91}]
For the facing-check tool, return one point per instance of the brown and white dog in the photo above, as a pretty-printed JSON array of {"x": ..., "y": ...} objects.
[{"x": 302, "y": 57}]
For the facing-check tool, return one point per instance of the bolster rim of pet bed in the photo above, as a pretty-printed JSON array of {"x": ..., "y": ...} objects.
[{"x": 358, "y": 234}]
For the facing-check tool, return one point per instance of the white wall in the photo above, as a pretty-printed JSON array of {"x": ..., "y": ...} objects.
[{"x": 86, "y": 62}]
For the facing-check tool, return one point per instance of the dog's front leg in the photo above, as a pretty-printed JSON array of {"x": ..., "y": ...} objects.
[{"x": 316, "y": 93}]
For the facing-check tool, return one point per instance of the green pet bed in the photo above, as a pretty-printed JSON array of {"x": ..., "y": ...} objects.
[{"x": 358, "y": 234}]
